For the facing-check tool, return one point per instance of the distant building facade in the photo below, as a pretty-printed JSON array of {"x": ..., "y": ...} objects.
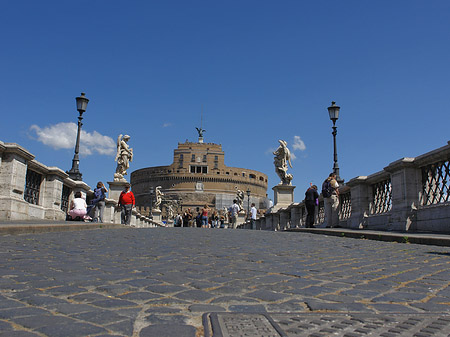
[{"x": 199, "y": 176}]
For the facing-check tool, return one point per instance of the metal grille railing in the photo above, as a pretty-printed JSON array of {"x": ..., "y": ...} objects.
[
  {"x": 435, "y": 183},
  {"x": 345, "y": 206},
  {"x": 65, "y": 198},
  {"x": 32, "y": 187},
  {"x": 382, "y": 197}
]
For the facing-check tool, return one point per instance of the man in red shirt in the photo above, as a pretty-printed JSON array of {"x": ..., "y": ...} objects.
[{"x": 126, "y": 202}]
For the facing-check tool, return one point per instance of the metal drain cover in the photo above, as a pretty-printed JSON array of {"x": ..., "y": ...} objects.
[{"x": 327, "y": 324}]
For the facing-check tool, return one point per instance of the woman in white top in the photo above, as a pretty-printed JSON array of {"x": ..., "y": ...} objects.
[{"x": 78, "y": 207}]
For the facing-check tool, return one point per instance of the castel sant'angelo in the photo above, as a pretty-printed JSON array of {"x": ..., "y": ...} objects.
[{"x": 199, "y": 176}]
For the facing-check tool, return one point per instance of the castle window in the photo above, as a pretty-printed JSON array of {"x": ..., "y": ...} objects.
[
  {"x": 199, "y": 169},
  {"x": 193, "y": 158},
  {"x": 204, "y": 158}
]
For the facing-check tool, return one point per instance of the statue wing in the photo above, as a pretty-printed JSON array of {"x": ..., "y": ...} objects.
[
  {"x": 118, "y": 147},
  {"x": 288, "y": 156}
]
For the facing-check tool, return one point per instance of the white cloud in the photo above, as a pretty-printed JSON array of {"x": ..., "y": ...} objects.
[
  {"x": 293, "y": 156},
  {"x": 63, "y": 136},
  {"x": 298, "y": 144},
  {"x": 166, "y": 125}
]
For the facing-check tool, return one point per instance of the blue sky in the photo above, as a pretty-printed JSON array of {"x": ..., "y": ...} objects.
[{"x": 260, "y": 70}]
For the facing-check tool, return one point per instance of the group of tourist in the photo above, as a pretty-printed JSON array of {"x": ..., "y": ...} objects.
[
  {"x": 79, "y": 210},
  {"x": 330, "y": 193}
]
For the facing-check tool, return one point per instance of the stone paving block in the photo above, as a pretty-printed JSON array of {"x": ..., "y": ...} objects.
[
  {"x": 228, "y": 299},
  {"x": 113, "y": 303},
  {"x": 9, "y": 304},
  {"x": 100, "y": 316},
  {"x": 21, "y": 312},
  {"x": 162, "y": 310},
  {"x": 247, "y": 308},
  {"x": 34, "y": 322},
  {"x": 72, "y": 308},
  {"x": 141, "y": 282},
  {"x": 172, "y": 330},
  {"x": 156, "y": 319},
  {"x": 70, "y": 330},
  {"x": 123, "y": 327},
  {"x": 194, "y": 295},
  {"x": 288, "y": 306},
  {"x": 205, "y": 308},
  {"x": 139, "y": 296},
  {"x": 87, "y": 298},
  {"x": 114, "y": 289},
  {"x": 266, "y": 295},
  {"x": 18, "y": 334},
  {"x": 165, "y": 289},
  {"x": 65, "y": 290},
  {"x": 315, "y": 305},
  {"x": 44, "y": 301},
  {"x": 5, "y": 326}
]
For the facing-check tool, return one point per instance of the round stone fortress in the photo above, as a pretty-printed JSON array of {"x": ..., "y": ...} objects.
[{"x": 199, "y": 176}]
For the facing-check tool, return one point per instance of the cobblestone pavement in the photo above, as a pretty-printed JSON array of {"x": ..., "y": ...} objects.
[{"x": 159, "y": 282}]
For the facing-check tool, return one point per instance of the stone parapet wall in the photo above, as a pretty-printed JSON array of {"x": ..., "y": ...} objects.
[
  {"x": 410, "y": 194},
  {"x": 43, "y": 197}
]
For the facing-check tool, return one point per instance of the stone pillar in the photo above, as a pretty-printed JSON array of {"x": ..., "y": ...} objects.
[
  {"x": 52, "y": 192},
  {"x": 296, "y": 215},
  {"x": 283, "y": 196},
  {"x": 13, "y": 171},
  {"x": 284, "y": 218},
  {"x": 359, "y": 190},
  {"x": 156, "y": 213},
  {"x": 115, "y": 188},
  {"x": 240, "y": 218},
  {"x": 406, "y": 182}
]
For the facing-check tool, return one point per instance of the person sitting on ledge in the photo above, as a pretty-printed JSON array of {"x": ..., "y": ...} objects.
[{"x": 78, "y": 208}]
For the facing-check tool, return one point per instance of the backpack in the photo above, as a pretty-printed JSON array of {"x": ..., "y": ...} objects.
[
  {"x": 99, "y": 195},
  {"x": 327, "y": 189}
]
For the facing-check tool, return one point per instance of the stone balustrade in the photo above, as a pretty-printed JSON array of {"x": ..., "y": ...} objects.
[
  {"x": 410, "y": 194},
  {"x": 30, "y": 190}
]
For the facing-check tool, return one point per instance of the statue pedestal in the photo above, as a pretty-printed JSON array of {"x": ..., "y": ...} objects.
[
  {"x": 283, "y": 196},
  {"x": 240, "y": 218},
  {"x": 115, "y": 188},
  {"x": 156, "y": 213}
]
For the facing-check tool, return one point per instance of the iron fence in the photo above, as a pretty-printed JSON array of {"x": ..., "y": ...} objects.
[
  {"x": 435, "y": 183},
  {"x": 32, "y": 187},
  {"x": 65, "y": 198},
  {"x": 345, "y": 206},
  {"x": 382, "y": 197}
]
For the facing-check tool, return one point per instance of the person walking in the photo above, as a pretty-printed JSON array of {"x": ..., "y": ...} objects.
[
  {"x": 99, "y": 201},
  {"x": 234, "y": 211},
  {"x": 330, "y": 192},
  {"x": 205, "y": 210},
  {"x": 126, "y": 202},
  {"x": 187, "y": 218},
  {"x": 311, "y": 200},
  {"x": 253, "y": 212}
]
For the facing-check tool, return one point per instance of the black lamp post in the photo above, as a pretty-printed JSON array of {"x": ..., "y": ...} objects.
[
  {"x": 248, "y": 203},
  {"x": 74, "y": 172},
  {"x": 333, "y": 111}
]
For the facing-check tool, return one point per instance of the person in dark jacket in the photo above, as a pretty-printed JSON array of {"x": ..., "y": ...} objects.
[{"x": 311, "y": 200}]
